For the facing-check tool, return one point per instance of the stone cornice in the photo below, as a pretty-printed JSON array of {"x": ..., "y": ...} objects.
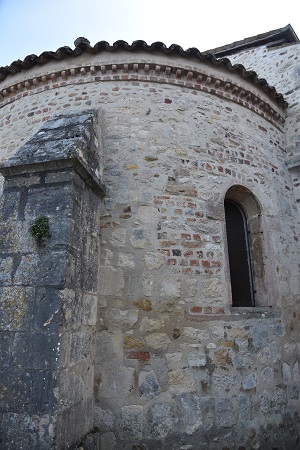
[{"x": 199, "y": 81}]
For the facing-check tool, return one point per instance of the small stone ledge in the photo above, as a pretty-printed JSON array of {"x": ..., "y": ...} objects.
[{"x": 199, "y": 314}]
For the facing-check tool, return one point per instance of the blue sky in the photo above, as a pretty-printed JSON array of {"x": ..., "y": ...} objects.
[{"x": 33, "y": 26}]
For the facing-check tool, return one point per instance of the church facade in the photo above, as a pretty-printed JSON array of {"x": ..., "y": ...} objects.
[{"x": 149, "y": 228}]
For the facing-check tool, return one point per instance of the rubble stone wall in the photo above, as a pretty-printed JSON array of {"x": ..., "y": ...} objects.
[{"x": 176, "y": 366}]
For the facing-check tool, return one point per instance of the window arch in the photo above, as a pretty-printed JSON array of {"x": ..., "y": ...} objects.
[{"x": 245, "y": 248}]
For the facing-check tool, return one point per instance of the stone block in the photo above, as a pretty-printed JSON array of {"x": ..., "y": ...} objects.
[
  {"x": 121, "y": 318},
  {"x": 108, "y": 441},
  {"x": 149, "y": 325},
  {"x": 226, "y": 412},
  {"x": 181, "y": 381},
  {"x": 249, "y": 381},
  {"x": 132, "y": 422},
  {"x": 158, "y": 341},
  {"x": 18, "y": 308},
  {"x": 111, "y": 281},
  {"x": 80, "y": 347},
  {"x": 123, "y": 380},
  {"x": 148, "y": 385},
  {"x": 160, "y": 420},
  {"x": 190, "y": 412},
  {"x": 104, "y": 419}
]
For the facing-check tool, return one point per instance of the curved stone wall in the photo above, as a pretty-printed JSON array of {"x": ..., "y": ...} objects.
[{"x": 176, "y": 366}]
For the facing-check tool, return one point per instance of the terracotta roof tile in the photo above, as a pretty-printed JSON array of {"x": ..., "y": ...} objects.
[{"x": 82, "y": 45}]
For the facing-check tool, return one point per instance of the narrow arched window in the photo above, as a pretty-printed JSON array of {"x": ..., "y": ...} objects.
[{"x": 240, "y": 265}]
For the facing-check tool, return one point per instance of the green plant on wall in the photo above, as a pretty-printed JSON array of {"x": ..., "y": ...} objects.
[{"x": 40, "y": 230}]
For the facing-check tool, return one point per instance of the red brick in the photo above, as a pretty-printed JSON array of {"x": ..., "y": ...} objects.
[
  {"x": 171, "y": 262},
  {"x": 207, "y": 310},
  {"x": 141, "y": 356},
  {"x": 205, "y": 263},
  {"x": 196, "y": 309},
  {"x": 167, "y": 243},
  {"x": 194, "y": 262},
  {"x": 186, "y": 236}
]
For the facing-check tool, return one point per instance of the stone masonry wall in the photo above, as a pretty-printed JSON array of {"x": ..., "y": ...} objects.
[
  {"x": 281, "y": 67},
  {"x": 49, "y": 292},
  {"x": 176, "y": 367}
]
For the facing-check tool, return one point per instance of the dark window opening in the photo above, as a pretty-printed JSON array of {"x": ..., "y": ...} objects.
[{"x": 239, "y": 255}]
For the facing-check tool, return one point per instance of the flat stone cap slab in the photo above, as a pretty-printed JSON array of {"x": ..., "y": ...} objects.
[{"x": 65, "y": 140}]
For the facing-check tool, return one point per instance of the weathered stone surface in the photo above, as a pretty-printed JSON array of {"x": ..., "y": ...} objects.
[
  {"x": 158, "y": 341},
  {"x": 154, "y": 260},
  {"x": 132, "y": 422},
  {"x": 148, "y": 385},
  {"x": 190, "y": 409},
  {"x": 175, "y": 364},
  {"x": 160, "y": 420},
  {"x": 149, "y": 325},
  {"x": 112, "y": 281},
  {"x": 104, "y": 419},
  {"x": 122, "y": 318},
  {"x": 249, "y": 381},
  {"x": 123, "y": 380},
  {"x": 131, "y": 342}
]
